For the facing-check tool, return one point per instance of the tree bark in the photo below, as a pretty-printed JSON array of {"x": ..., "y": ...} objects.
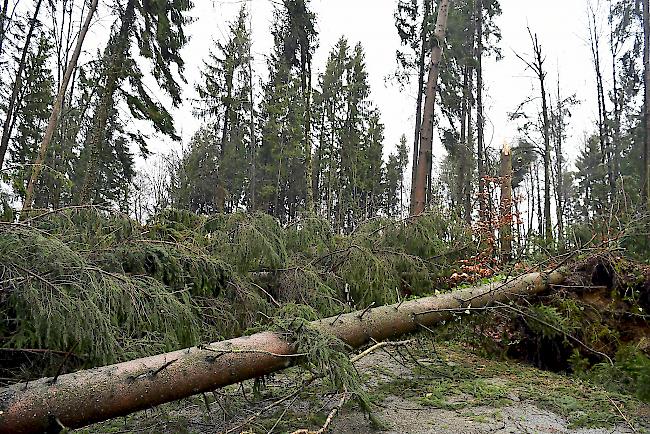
[
  {"x": 480, "y": 122},
  {"x": 418, "y": 107},
  {"x": 426, "y": 133},
  {"x": 309, "y": 165},
  {"x": 646, "y": 87},
  {"x": 505, "y": 211},
  {"x": 81, "y": 398},
  {"x": 559, "y": 158},
  {"x": 7, "y": 128},
  {"x": 51, "y": 125},
  {"x": 4, "y": 10}
]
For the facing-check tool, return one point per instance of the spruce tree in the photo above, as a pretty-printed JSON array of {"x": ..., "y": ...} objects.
[
  {"x": 225, "y": 98},
  {"x": 158, "y": 28},
  {"x": 35, "y": 104}
]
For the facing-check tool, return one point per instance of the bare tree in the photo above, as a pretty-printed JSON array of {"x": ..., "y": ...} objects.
[{"x": 536, "y": 65}]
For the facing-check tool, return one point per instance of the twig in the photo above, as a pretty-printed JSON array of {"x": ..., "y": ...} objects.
[
  {"x": 622, "y": 415},
  {"x": 65, "y": 359},
  {"x": 330, "y": 417},
  {"x": 275, "y": 302},
  {"x": 378, "y": 346},
  {"x": 164, "y": 366},
  {"x": 366, "y": 310},
  {"x": 282, "y": 415},
  {"x": 337, "y": 318}
]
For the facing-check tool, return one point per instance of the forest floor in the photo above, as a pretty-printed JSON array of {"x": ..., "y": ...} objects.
[{"x": 422, "y": 387}]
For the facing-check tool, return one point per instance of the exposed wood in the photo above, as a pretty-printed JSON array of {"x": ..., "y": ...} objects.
[
  {"x": 426, "y": 134},
  {"x": 84, "y": 397}
]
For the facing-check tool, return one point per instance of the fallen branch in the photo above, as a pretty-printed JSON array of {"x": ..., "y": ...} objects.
[{"x": 330, "y": 417}]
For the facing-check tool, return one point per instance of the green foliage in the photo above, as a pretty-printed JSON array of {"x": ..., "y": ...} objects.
[
  {"x": 546, "y": 316},
  {"x": 113, "y": 289}
]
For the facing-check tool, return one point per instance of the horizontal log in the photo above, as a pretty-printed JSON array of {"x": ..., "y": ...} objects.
[{"x": 81, "y": 398}]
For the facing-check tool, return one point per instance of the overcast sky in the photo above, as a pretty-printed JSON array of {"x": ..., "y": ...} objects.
[{"x": 371, "y": 22}]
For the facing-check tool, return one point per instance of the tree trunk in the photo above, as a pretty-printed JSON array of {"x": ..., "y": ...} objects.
[
  {"x": 426, "y": 134},
  {"x": 253, "y": 141},
  {"x": 480, "y": 122},
  {"x": 78, "y": 399},
  {"x": 4, "y": 11},
  {"x": 7, "y": 128},
  {"x": 309, "y": 166},
  {"x": 464, "y": 176},
  {"x": 418, "y": 108},
  {"x": 541, "y": 75},
  {"x": 51, "y": 125},
  {"x": 505, "y": 211},
  {"x": 559, "y": 166},
  {"x": 603, "y": 122},
  {"x": 646, "y": 82}
]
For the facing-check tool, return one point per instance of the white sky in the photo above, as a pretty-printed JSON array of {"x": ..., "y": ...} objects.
[{"x": 371, "y": 22}]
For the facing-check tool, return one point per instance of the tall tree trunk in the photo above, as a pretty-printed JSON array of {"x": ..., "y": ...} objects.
[
  {"x": 309, "y": 166},
  {"x": 253, "y": 139},
  {"x": 426, "y": 134},
  {"x": 418, "y": 107},
  {"x": 546, "y": 131},
  {"x": 480, "y": 121},
  {"x": 37, "y": 167},
  {"x": 505, "y": 209},
  {"x": 464, "y": 177},
  {"x": 646, "y": 82},
  {"x": 618, "y": 106},
  {"x": 603, "y": 123},
  {"x": 13, "y": 99},
  {"x": 4, "y": 19},
  {"x": 115, "y": 59},
  {"x": 559, "y": 167},
  {"x": 540, "y": 215}
]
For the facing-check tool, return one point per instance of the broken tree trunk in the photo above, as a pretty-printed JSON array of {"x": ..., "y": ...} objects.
[
  {"x": 84, "y": 397},
  {"x": 419, "y": 198},
  {"x": 505, "y": 214}
]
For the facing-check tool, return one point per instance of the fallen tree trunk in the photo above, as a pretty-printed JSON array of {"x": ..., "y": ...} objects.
[{"x": 84, "y": 397}]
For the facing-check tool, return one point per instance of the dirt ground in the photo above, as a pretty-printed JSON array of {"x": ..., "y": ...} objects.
[{"x": 421, "y": 388}]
